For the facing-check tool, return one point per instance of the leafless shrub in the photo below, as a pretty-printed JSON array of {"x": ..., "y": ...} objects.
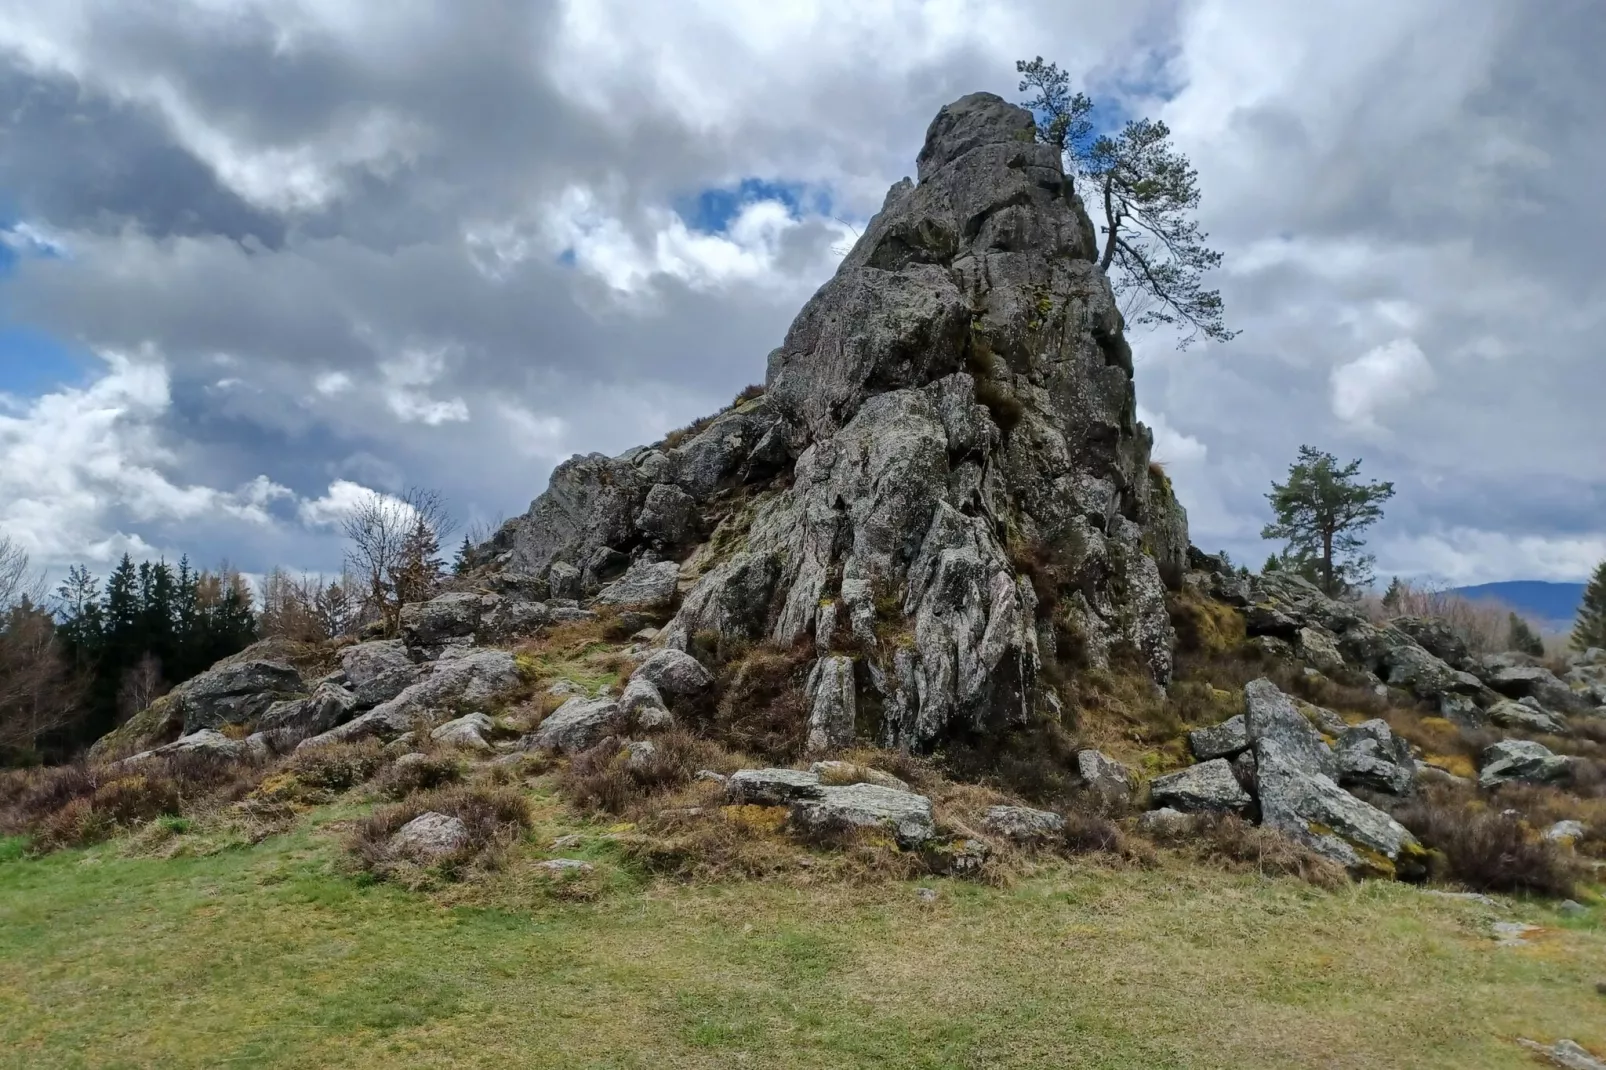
[
  {"x": 394, "y": 550},
  {"x": 1486, "y": 849}
]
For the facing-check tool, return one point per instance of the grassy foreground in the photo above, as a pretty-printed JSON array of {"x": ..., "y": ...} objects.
[{"x": 269, "y": 956}]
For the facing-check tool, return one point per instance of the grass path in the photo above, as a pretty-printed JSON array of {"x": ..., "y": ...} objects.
[{"x": 268, "y": 957}]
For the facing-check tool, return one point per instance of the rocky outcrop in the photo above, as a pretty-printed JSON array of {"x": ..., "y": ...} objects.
[
  {"x": 577, "y": 724},
  {"x": 461, "y": 676},
  {"x": 1206, "y": 787},
  {"x": 378, "y": 671},
  {"x": 1225, "y": 740},
  {"x": 1521, "y": 760},
  {"x": 428, "y": 837},
  {"x": 956, "y": 399},
  {"x": 1023, "y": 824},
  {"x": 237, "y": 693},
  {"x": 1371, "y": 756}
]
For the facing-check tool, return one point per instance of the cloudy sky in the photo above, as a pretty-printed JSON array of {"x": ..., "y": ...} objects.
[{"x": 256, "y": 255}]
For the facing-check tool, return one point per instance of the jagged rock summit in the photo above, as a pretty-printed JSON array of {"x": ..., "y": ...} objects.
[{"x": 944, "y": 485}]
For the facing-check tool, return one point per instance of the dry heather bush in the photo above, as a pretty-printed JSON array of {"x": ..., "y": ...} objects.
[
  {"x": 1230, "y": 842},
  {"x": 749, "y": 393},
  {"x": 493, "y": 816},
  {"x": 760, "y": 709},
  {"x": 401, "y": 779},
  {"x": 605, "y": 778},
  {"x": 1037, "y": 762},
  {"x": 76, "y": 804},
  {"x": 337, "y": 767},
  {"x": 1485, "y": 849},
  {"x": 1542, "y": 806},
  {"x": 1091, "y": 833}
]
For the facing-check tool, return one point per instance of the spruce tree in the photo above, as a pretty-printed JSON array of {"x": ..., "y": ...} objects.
[
  {"x": 465, "y": 554},
  {"x": 1394, "y": 595},
  {"x": 1590, "y": 628},
  {"x": 1524, "y": 639}
]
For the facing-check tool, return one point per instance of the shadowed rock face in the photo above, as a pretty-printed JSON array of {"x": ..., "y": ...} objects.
[{"x": 957, "y": 398}]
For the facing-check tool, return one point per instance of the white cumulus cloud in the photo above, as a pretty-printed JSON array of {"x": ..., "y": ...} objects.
[{"x": 1378, "y": 379}]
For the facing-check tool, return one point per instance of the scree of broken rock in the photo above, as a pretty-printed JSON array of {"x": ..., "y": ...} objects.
[{"x": 945, "y": 480}]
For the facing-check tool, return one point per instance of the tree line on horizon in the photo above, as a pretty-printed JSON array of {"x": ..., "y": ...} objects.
[{"x": 77, "y": 661}]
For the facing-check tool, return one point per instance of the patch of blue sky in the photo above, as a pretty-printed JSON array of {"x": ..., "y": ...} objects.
[
  {"x": 32, "y": 362},
  {"x": 712, "y": 210}
]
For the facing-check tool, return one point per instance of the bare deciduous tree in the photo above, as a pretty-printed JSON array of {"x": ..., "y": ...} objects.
[
  {"x": 141, "y": 685},
  {"x": 39, "y": 693},
  {"x": 391, "y": 544}
]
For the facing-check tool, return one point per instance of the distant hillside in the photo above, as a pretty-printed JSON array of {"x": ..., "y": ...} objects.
[{"x": 1554, "y": 603}]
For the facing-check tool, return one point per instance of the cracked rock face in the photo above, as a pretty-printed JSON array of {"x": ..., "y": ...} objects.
[{"x": 956, "y": 399}]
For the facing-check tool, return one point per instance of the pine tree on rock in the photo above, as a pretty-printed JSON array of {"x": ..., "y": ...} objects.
[
  {"x": 1321, "y": 511},
  {"x": 1590, "y": 628}
]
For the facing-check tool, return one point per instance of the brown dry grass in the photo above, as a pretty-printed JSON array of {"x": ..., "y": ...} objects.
[{"x": 1233, "y": 844}]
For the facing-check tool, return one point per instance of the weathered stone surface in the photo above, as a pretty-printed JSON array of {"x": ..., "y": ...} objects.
[
  {"x": 1310, "y": 807},
  {"x": 1208, "y": 786},
  {"x": 1104, "y": 776},
  {"x": 379, "y": 671},
  {"x": 1165, "y": 823},
  {"x": 459, "y": 676},
  {"x": 577, "y": 724},
  {"x": 674, "y": 672},
  {"x": 1219, "y": 741},
  {"x": 1371, "y": 756},
  {"x": 772, "y": 787},
  {"x": 1437, "y": 638},
  {"x": 450, "y": 619},
  {"x": 1565, "y": 831},
  {"x": 1567, "y": 1054},
  {"x": 505, "y": 617},
  {"x": 1271, "y": 716},
  {"x": 905, "y": 815},
  {"x": 963, "y": 374},
  {"x": 648, "y": 584},
  {"x": 640, "y": 753},
  {"x": 1023, "y": 824},
  {"x": 468, "y": 732},
  {"x": 428, "y": 837},
  {"x": 1540, "y": 684},
  {"x": 668, "y": 517},
  {"x": 1319, "y": 648},
  {"x": 1425, "y": 676},
  {"x": 1521, "y": 760},
  {"x": 326, "y": 707},
  {"x": 832, "y": 713},
  {"x": 1527, "y": 715},
  {"x": 236, "y": 693},
  {"x": 564, "y": 580},
  {"x": 639, "y": 697}
]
